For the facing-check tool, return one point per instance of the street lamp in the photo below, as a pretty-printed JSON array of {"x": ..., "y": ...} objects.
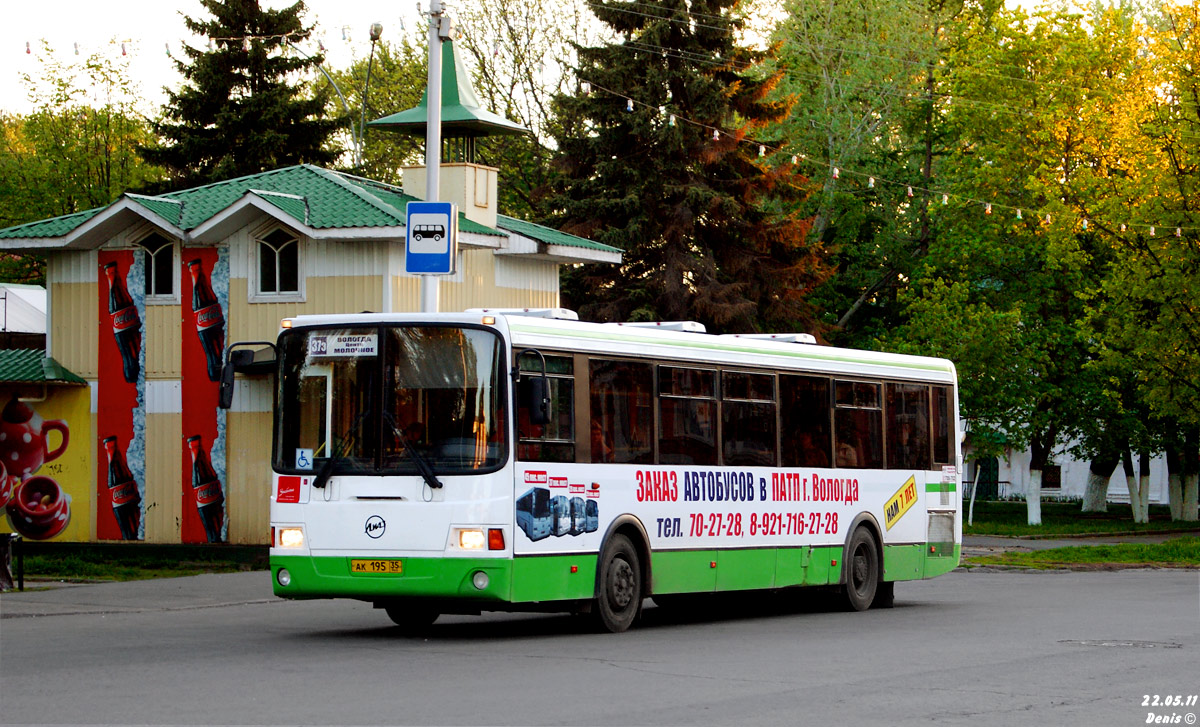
[
  {"x": 376, "y": 33},
  {"x": 356, "y": 134}
]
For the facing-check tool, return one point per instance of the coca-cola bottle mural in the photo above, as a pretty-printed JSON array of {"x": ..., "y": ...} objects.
[
  {"x": 127, "y": 325},
  {"x": 126, "y": 501},
  {"x": 210, "y": 500},
  {"x": 210, "y": 321}
]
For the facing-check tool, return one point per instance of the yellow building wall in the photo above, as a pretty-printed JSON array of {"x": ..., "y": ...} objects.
[
  {"x": 260, "y": 321},
  {"x": 248, "y": 471},
  {"x": 163, "y": 502},
  {"x": 475, "y": 287},
  {"x": 74, "y": 317},
  {"x": 161, "y": 339}
]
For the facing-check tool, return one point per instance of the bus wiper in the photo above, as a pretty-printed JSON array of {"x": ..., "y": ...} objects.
[
  {"x": 419, "y": 459},
  {"x": 334, "y": 458}
]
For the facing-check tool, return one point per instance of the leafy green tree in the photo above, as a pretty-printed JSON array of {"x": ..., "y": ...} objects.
[
  {"x": 398, "y": 78},
  {"x": 240, "y": 111},
  {"x": 661, "y": 159},
  {"x": 522, "y": 54},
  {"x": 71, "y": 153},
  {"x": 1033, "y": 258}
]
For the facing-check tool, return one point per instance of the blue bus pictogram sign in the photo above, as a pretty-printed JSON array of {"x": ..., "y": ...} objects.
[{"x": 431, "y": 245}]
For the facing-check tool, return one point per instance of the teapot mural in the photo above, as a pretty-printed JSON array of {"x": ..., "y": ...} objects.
[
  {"x": 24, "y": 440},
  {"x": 36, "y": 505}
]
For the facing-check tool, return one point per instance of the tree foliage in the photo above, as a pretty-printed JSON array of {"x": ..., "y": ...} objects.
[
  {"x": 78, "y": 149},
  {"x": 242, "y": 109},
  {"x": 398, "y": 77},
  {"x": 659, "y": 160}
]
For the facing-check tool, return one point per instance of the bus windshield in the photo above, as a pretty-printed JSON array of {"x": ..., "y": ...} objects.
[{"x": 377, "y": 398}]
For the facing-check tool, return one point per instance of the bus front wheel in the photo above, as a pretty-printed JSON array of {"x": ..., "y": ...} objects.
[
  {"x": 862, "y": 570},
  {"x": 620, "y": 586},
  {"x": 411, "y": 619}
]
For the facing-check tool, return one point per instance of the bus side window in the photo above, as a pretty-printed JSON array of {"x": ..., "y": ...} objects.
[
  {"x": 908, "y": 426},
  {"x": 943, "y": 426},
  {"x": 687, "y": 405},
  {"x": 748, "y": 419},
  {"x": 806, "y": 438},
  {"x": 555, "y": 440},
  {"x": 858, "y": 424},
  {"x": 621, "y": 397}
]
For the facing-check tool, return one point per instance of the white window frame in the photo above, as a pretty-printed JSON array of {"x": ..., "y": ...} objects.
[
  {"x": 255, "y": 293},
  {"x": 176, "y": 261}
]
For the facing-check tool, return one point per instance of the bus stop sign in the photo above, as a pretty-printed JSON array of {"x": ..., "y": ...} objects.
[{"x": 431, "y": 238}]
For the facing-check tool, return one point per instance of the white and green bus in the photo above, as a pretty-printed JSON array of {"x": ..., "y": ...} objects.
[{"x": 523, "y": 461}]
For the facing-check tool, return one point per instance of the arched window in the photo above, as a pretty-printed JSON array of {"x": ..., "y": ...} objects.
[
  {"x": 158, "y": 254},
  {"x": 278, "y": 263}
]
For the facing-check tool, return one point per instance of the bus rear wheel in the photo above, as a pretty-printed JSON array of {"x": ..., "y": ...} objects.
[
  {"x": 620, "y": 585},
  {"x": 862, "y": 570},
  {"x": 411, "y": 619}
]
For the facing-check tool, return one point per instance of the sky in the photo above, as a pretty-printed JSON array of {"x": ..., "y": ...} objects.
[{"x": 148, "y": 27}]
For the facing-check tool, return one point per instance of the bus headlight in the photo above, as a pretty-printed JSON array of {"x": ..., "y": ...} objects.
[
  {"x": 471, "y": 540},
  {"x": 291, "y": 537},
  {"x": 284, "y": 577},
  {"x": 480, "y": 580}
]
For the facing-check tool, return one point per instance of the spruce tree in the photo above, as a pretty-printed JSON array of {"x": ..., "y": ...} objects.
[
  {"x": 238, "y": 111},
  {"x": 660, "y": 158}
]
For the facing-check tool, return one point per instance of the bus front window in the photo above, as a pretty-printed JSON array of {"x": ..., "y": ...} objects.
[
  {"x": 377, "y": 398},
  {"x": 325, "y": 392},
  {"x": 443, "y": 396}
]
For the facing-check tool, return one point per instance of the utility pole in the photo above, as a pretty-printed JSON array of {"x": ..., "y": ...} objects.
[{"x": 439, "y": 30}]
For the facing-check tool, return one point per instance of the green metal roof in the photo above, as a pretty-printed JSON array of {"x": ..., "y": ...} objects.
[
  {"x": 53, "y": 227},
  {"x": 33, "y": 366},
  {"x": 462, "y": 113},
  {"x": 549, "y": 235},
  {"x": 170, "y": 210},
  {"x": 316, "y": 197}
]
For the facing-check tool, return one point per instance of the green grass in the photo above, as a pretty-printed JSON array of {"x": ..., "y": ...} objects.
[
  {"x": 1065, "y": 518},
  {"x": 132, "y": 562},
  {"x": 1175, "y": 553}
]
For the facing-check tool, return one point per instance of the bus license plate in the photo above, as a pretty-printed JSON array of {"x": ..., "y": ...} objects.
[{"x": 388, "y": 567}]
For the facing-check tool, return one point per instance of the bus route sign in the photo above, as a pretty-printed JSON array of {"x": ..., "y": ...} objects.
[{"x": 431, "y": 238}]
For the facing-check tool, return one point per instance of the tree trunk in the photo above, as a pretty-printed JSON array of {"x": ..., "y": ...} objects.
[
  {"x": 1144, "y": 485},
  {"x": 1191, "y": 476},
  {"x": 1033, "y": 497},
  {"x": 1100, "y": 471},
  {"x": 1131, "y": 484},
  {"x": 1174, "y": 481},
  {"x": 1039, "y": 454}
]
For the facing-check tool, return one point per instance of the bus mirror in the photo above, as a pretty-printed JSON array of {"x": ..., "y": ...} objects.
[
  {"x": 534, "y": 389},
  {"x": 244, "y": 361},
  {"x": 225, "y": 396},
  {"x": 537, "y": 399}
]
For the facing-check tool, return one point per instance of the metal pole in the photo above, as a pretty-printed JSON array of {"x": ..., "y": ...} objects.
[
  {"x": 433, "y": 139},
  {"x": 376, "y": 33}
]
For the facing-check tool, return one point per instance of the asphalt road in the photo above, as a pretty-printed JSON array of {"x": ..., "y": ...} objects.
[{"x": 978, "y": 648}]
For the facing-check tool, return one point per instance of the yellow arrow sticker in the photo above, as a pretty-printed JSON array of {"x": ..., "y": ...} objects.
[{"x": 900, "y": 503}]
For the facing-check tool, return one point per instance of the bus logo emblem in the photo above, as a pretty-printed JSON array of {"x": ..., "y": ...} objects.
[{"x": 375, "y": 526}]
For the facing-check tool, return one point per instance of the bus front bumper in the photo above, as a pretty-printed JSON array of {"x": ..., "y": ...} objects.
[{"x": 477, "y": 579}]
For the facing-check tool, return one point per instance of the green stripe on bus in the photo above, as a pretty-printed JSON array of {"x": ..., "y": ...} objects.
[
  {"x": 314, "y": 577},
  {"x": 815, "y": 354},
  {"x": 940, "y": 487},
  {"x": 554, "y": 577},
  {"x": 527, "y": 579}
]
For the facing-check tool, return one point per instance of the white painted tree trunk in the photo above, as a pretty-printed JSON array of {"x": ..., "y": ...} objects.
[
  {"x": 1191, "y": 488},
  {"x": 1095, "y": 497},
  {"x": 1033, "y": 497},
  {"x": 1144, "y": 493},
  {"x": 1135, "y": 497},
  {"x": 1175, "y": 495}
]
